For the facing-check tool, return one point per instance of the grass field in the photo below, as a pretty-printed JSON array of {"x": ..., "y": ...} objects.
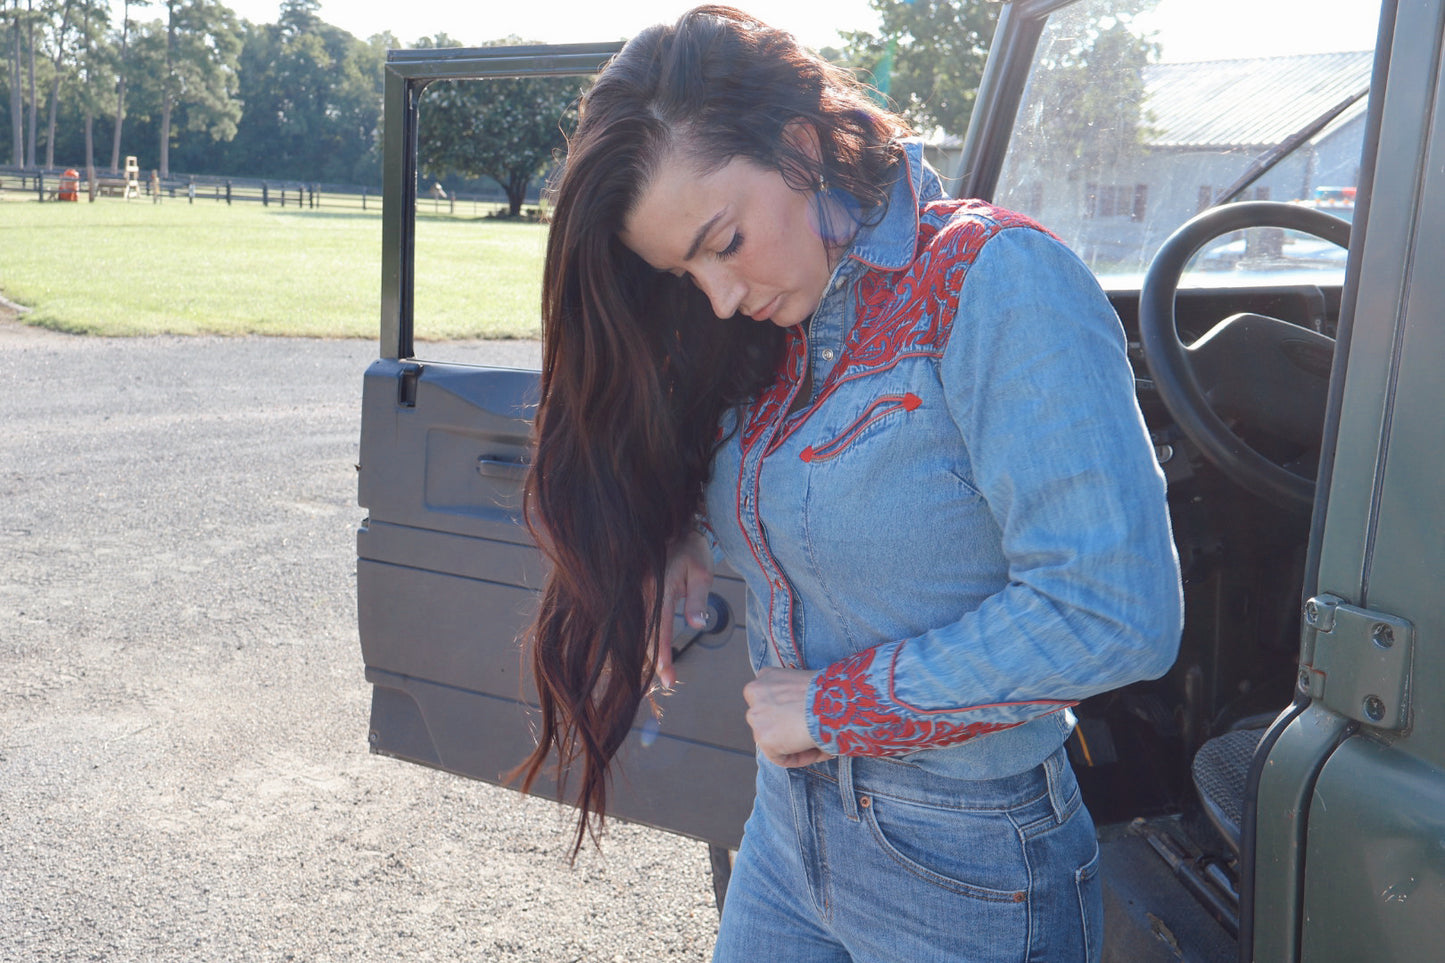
[{"x": 133, "y": 268}]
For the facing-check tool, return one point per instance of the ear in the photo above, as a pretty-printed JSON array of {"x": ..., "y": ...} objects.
[
  {"x": 801, "y": 138},
  {"x": 801, "y": 135}
]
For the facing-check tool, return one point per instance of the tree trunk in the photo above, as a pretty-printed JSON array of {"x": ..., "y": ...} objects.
[
  {"x": 34, "y": 103},
  {"x": 17, "y": 111},
  {"x": 166, "y": 137},
  {"x": 516, "y": 187},
  {"x": 120, "y": 92},
  {"x": 167, "y": 97}
]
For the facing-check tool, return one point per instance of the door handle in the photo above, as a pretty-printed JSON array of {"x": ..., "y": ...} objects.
[
  {"x": 715, "y": 621},
  {"x": 501, "y": 466}
]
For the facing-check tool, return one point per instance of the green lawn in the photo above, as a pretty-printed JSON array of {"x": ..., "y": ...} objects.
[{"x": 133, "y": 268}]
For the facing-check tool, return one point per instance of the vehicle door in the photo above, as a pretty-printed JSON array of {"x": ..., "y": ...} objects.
[
  {"x": 447, "y": 573},
  {"x": 1350, "y": 810}
]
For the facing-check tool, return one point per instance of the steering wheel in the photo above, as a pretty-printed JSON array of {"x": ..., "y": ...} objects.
[{"x": 1258, "y": 371}]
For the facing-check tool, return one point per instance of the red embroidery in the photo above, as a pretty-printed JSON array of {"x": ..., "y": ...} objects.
[
  {"x": 901, "y": 314},
  {"x": 879, "y": 409},
  {"x": 864, "y": 723}
]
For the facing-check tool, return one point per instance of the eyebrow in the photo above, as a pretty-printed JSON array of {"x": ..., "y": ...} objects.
[{"x": 702, "y": 234}]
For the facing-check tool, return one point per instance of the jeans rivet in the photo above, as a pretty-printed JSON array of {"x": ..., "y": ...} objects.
[{"x": 865, "y": 802}]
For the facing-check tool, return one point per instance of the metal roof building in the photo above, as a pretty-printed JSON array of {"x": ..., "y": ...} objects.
[{"x": 1256, "y": 102}]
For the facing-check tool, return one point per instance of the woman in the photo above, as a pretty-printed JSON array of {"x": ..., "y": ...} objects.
[{"x": 909, "y": 424}]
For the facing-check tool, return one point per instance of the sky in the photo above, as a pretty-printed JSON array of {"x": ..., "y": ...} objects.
[
  {"x": 815, "y": 22},
  {"x": 1221, "y": 28}
]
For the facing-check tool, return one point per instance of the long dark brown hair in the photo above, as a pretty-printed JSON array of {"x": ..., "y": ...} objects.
[{"x": 636, "y": 370}]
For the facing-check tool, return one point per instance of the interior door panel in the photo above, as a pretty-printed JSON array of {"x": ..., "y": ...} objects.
[{"x": 447, "y": 580}]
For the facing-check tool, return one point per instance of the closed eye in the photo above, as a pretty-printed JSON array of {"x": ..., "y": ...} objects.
[{"x": 732, "y": 247}]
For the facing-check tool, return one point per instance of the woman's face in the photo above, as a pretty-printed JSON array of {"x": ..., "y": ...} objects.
[{"x": 744, "y": 237}]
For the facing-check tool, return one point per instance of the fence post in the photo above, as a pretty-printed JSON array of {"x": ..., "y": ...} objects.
[
  {"x": 363, "y": 198},
  {"x": 265, "y": 195},
  {"x": 40, "y": 186},
  {"x": 228, "y": 193},
  {"x": 191, "y": 191}
]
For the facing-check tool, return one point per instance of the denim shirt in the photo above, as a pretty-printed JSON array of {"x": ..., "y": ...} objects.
[{"x": 964, "y": 527}]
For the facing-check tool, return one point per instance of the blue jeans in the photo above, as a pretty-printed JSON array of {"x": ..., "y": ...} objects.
[{"x": 867, "y": 859}]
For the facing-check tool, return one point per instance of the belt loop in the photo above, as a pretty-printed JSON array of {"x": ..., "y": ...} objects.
[
  {"x": 1053, "y": 771},
  {"x": 845, "y": 787}
]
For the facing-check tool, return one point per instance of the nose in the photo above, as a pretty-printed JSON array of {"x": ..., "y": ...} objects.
[{"x": 723, "y": 290}]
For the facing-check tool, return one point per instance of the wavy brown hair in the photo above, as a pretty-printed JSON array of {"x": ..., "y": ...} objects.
[{"x": 636, "y": 371}]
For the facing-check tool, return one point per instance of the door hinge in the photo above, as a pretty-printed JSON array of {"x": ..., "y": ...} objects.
[{"x": 1357, "y": 661}]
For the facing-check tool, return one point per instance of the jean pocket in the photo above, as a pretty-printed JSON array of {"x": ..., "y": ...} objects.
[
  {"x": 1091, "y": 907},
  {"x": 973, "y": 853}
]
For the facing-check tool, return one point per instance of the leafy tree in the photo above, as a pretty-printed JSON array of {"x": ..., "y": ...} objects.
[
  {"x": 122, "y": 65},
  {"x": 1089, "y": 82},
  {"x": 202, "y": 42},
  {"x": 312, "y": 95},
  {"x": 69, "y": 33},
  {"x": 927, "y": 57},
  {"x": 94, "y": 66},
  {"x": 507, "y": 130}
]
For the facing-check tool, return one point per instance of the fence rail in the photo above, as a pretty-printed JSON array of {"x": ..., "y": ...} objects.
[{"x": 44, "y": 183}]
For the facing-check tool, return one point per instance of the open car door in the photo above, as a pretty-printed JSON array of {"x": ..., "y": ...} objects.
[{"x": 447, "y": 574}]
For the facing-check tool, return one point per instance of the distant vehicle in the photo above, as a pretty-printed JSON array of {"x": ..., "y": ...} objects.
[{"x": 1279, "y": 795}]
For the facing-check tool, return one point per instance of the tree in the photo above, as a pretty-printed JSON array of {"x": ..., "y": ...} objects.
[
  {"x": 507, "y": 130},
  {"x": 1089, "y": 82},
  {"x": 17, "y": 109},
  {"x": 927, "y": 57},
  {"x": 30, "y": 54},
  {"x": 62, "y": 32},
  {"x": 121, "y": 69},
  {"x": 92, "y": 65},
  {"x": 202, "y": 43},
  {"x": 312, "y": 94}
]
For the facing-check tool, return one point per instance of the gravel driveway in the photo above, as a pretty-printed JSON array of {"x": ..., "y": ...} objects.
[{"x": 183, "y": 762}]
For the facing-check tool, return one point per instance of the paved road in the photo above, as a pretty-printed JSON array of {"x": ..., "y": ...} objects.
[{"x": 183, "y": 764}]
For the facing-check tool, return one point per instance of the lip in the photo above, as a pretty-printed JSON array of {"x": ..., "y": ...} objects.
[{"x": 767, "y": 310}]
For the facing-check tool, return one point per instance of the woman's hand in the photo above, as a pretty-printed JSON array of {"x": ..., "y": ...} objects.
[
  {"x": 688, "y": 579},
  {"x": 777, "y": 711}
]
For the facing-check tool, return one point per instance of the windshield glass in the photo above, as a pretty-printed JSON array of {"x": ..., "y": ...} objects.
[{"x": 1139, "y": 115}]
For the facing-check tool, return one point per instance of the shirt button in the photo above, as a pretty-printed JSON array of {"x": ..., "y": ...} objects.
[{"x": 827, "y": 354}]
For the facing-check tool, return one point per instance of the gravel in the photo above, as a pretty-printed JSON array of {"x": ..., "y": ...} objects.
[{"x": 183, "y": 763}]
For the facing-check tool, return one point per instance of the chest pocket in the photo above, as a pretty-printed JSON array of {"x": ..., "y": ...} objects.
[{"x": 882, "y": 408}]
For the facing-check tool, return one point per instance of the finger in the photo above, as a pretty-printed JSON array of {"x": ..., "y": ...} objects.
[
  {"x": 698, "y": 584},
  {"x": 662, "y": 651},
  {"x": 794, "y": 760},
  {"x": 665, "y": 673}
]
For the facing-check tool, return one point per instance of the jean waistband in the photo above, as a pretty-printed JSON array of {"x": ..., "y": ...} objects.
[{"x": 895, "y": 779}]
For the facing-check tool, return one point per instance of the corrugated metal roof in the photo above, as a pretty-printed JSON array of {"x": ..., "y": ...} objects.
[{"x": 1256, "y": 102}]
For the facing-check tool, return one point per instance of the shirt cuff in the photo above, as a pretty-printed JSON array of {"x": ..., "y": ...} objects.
[{"x": 853, "y": 711}]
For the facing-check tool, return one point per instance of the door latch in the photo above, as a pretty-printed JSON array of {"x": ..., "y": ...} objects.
[{"x": 406, "y": 385}]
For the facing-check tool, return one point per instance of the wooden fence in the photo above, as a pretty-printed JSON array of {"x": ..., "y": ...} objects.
[{"x": 45, "y": 185}]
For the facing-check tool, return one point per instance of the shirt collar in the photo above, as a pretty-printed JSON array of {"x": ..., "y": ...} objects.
[{"x": 890, "y": 244}]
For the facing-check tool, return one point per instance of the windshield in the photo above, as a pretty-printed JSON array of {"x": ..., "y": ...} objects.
[{"x": 1139, "y": 115}]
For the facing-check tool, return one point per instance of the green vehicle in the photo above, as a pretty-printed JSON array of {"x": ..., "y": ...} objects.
[{"x": 1269, "y": 229}]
